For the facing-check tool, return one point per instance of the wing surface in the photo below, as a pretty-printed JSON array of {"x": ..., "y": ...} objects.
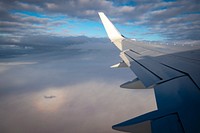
[{"x": 173, "y": 72}]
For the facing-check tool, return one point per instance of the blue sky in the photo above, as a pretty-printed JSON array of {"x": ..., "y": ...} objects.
[
  {"x": 157, "y": 20},
  {"x": 89, "y": 28}
]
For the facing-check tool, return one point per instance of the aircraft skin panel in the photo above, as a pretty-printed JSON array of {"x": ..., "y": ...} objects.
[
  {"x": 173, "y": 72},
  {"x": 147, "y": 77},
  {"x": 167, "y": 60},
  {"x": 161, "y": 70}
]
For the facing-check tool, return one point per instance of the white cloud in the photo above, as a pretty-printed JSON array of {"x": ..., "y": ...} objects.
[
  {"x": 77, "y": 106},
  {"x": 151, "y": 14}
]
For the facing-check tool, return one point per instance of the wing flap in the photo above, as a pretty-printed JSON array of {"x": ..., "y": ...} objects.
[
  {"x": 152, "y": 122},
  {"x": 147, "y": 77},
  {"x": 134, "y": 84}
]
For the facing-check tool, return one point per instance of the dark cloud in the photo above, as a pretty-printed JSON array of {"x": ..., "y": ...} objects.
[
  {"x": 41, "y": 44},
  {"x": 65, "y": 53}
]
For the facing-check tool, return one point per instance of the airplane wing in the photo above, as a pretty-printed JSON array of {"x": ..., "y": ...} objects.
[{"x": 174, "y": 73}]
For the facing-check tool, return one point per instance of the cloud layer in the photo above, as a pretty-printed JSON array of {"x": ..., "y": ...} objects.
[{"x": 87, "y": 94}]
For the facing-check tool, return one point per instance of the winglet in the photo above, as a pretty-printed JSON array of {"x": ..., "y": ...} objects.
[{"x": 112, "y": 32}]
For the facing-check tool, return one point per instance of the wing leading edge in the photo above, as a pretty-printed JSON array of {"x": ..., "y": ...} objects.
[{"x": 172, "y": 72}]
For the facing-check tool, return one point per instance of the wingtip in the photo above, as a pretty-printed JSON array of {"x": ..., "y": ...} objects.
[
  {"x": 112, "y": 32},
  {"x": 100, "y": 13}
]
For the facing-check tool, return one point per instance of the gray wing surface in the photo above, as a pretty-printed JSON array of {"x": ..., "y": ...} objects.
[{"x": 173, "y": 72}]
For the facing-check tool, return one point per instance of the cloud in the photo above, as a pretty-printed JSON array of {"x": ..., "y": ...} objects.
[
  {"x": 75, "y": 50},
  {"x": 26, "y": 46},
  {"x": 28, "y": 6},
  {"x": 77, "y": 73},
  {"x": 173, "y": 20},
  {"x": 85, "y": 107},
  {"x": 176, "y": 21}
]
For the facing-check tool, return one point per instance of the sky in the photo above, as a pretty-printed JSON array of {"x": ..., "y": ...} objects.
[
  {"x": 155, "y": 20},
  {"x": 55, "y": 60}
]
